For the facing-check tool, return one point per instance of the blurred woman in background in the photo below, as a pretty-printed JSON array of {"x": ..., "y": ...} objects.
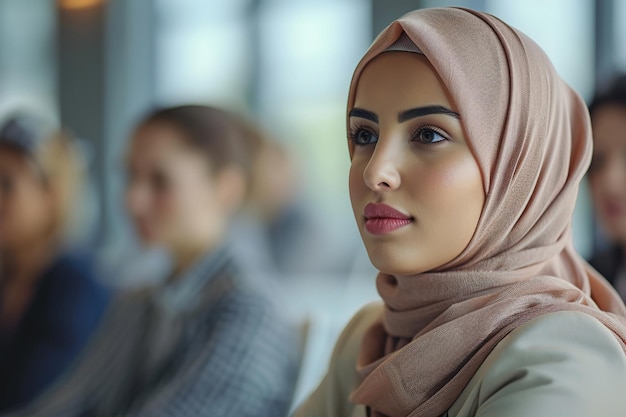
[
  {"x": 607, "y": 178},
  {"x": 50, "y": 301},
  {"x": 205, "y": 341},
  {"x": 276, "y": 231}
]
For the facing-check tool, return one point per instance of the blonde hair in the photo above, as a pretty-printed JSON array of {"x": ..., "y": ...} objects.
[{"x": 62, "y": 166}]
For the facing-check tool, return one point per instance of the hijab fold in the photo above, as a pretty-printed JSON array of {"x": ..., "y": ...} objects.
[{"x": 530, "y": 134}]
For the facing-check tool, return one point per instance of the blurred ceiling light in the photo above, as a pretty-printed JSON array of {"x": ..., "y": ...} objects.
[{"x": 78, "y": 4}]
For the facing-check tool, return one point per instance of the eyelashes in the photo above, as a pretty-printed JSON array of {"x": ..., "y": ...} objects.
[
  {"x": 361, "y": 135},
  {"x": 428, "y": 135}
]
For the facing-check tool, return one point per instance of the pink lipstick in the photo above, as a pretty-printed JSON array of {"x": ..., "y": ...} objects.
[{"x": 381, "y": 219}]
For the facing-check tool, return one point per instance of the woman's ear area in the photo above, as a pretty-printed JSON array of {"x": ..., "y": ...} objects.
[{"x": 231, "y": 187}]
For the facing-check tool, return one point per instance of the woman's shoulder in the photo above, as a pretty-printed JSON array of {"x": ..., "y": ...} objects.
[
  {"x": 74, "y": 269},
  {"x": 345, "y": 354},
  {"x": 564, "y": 363},
  {"x": 349, "y": 342},
  {"x": 70, "y": 284},
  {"x": 330, "y": 399}
]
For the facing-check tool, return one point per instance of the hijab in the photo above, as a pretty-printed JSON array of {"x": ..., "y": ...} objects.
[{"x": 530, "y": 134}]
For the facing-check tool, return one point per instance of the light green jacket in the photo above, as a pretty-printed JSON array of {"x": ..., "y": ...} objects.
[{"x": 564, "y": 364}]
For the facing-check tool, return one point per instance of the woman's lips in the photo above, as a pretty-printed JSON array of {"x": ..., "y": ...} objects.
[{"x": 381, "y": 219}]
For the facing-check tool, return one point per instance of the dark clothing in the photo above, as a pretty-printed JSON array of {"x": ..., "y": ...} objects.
[
  {"x": 63, "y": 313},
  {"x": 202, "y": 344},
  {"x": 608, "y": 262}
]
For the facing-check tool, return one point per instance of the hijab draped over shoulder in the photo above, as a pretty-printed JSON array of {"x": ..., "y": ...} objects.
[{"x": 531, "y": 137}]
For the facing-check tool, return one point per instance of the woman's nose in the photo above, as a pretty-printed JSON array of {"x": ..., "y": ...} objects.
[
  {"x": 381, "y": 172},
  {"x": 135, "y": 199}
]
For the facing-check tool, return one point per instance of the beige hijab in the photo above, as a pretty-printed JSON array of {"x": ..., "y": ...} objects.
[{"x": 531, "y": 136}]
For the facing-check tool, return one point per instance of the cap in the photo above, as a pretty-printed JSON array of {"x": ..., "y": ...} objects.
[
  {"x": 25, "y": 132},
  {"x": 404, "y": 44}
]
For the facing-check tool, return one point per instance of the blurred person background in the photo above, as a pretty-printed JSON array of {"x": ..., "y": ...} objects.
[
  {"x": 100, "y": 65},
  {"x": 50, "y": 299},
  {"x": 607, "y": 178},
  {"x": 276, "y": 232},
  {"x": 206, "y": 339}
]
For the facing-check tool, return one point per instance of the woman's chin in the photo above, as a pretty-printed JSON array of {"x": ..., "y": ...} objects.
[{"x": 392, "y": 267}]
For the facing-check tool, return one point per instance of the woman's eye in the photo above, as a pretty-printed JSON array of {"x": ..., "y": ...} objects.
[
  {"x": 159, "y": 181},
  {"x": 428, "y": 136},
  {"x": 363, "y": 137}
]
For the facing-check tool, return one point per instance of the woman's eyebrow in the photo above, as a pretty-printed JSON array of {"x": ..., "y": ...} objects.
[
  {"x": 364, "y": 114},
  {"x": 426, "y": 110}
]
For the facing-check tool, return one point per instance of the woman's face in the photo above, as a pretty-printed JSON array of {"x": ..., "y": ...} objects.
[
  {"x": 416, "y": 189},
  {"x": 173, "y": 198},
  {"x": 25, "y": 202},
  {"x": 607, "y": 174}
]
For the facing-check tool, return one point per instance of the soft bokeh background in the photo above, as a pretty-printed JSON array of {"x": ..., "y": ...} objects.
[{"x": 99, "y": 65}]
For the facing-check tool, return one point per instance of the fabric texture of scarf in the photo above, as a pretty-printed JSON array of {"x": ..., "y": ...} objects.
[{"x": 530, "y": 134}]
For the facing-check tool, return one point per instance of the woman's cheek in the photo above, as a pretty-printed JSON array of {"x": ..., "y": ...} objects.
[
  {"x": 356, "y": 183},
  {"x": 451, "y": 202},
  {"x": 453, "y": 183}
]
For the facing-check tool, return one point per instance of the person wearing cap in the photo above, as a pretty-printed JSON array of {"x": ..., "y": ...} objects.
[{"x": 50, "y": 298}]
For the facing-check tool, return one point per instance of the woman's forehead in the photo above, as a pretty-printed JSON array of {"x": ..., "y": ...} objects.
[{"x": 398, "y": 81}]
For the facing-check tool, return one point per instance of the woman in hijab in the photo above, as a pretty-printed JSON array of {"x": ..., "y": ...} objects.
[{"x": 467, "y": 151}]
